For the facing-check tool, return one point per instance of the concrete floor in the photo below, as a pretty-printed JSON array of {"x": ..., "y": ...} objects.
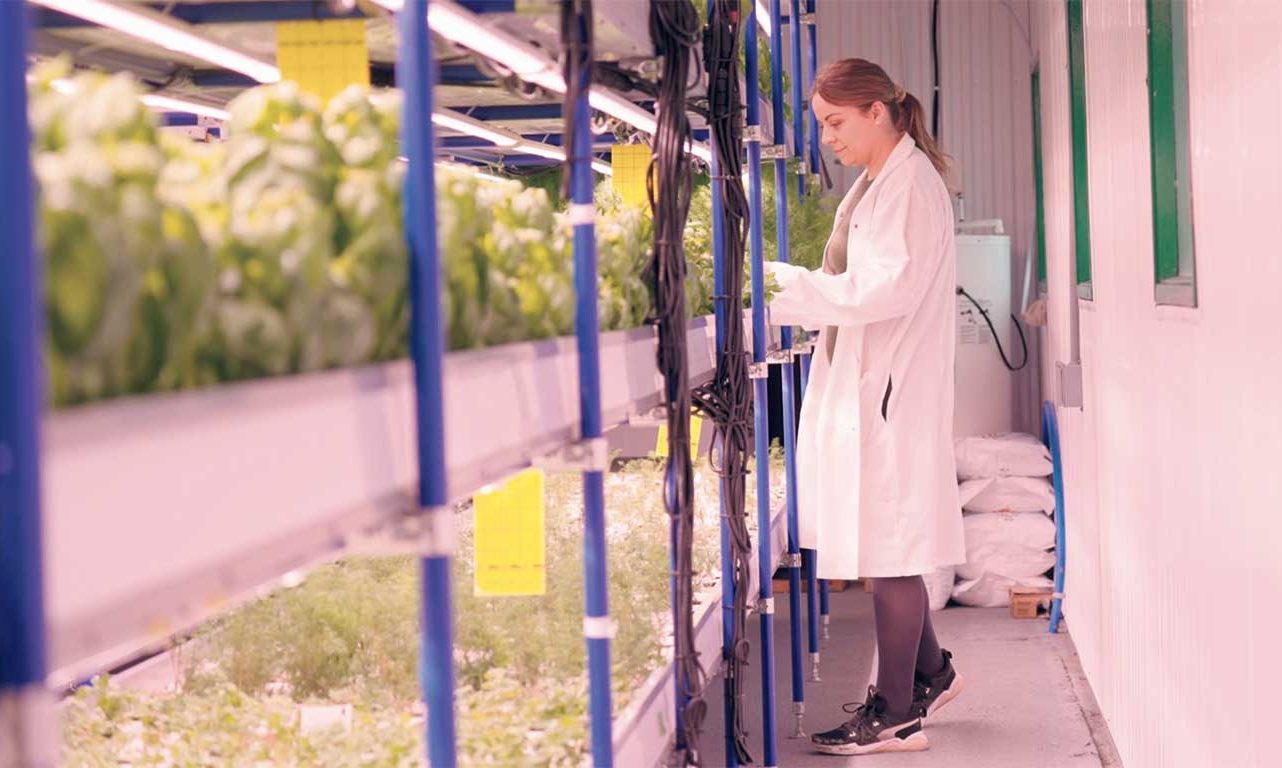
[{"x": 1026, "y": 703}]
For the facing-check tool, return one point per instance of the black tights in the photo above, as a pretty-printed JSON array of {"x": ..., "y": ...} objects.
[{"x": 906, "y": 640}]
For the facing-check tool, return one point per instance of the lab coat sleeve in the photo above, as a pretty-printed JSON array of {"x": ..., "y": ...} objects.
[{"x": 886, "y": 276}]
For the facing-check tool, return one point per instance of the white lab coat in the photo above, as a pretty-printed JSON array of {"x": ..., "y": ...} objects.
[{"x": 877, "y": 495}]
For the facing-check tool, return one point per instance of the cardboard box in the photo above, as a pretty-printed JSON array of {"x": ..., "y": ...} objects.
[
  {"x": 1029, "y": 602},
  {"x": 834, "y": 585}
]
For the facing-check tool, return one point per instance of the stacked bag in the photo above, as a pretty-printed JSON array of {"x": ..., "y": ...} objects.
[{"x": 1008, "y": 505}]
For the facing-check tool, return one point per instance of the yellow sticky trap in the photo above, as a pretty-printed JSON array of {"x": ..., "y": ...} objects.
[
  {"x": 661, "y": 444},
  {"x": 510, "y": 537},
  {"x": 631, "y": 163},
  {"x": 323, "y": 57}
]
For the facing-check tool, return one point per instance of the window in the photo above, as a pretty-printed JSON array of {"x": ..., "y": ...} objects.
[
  {"x": 1169, "y": 148},
  {"x": 1077, "y": 108},
  {"x": 1038, "y": 176}
]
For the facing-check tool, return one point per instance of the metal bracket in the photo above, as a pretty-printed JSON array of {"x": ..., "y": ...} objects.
[
  {"x": 758, "y": 370},
  {"x": 803, "y": 168},
  {"x": 28, "y": 727},
  {"x": 413, "y": 530},
  {"x": 778, "y": 356},
  {"x": 650, "y": 417},
  {"x": 600, "y": 627},
  {"x": 799, "y": 717},
  {"x": 774, "y": 152},
  {"x": 1070, "y": 385},
  {"x": 766, "y": 606},
  {"x": 790, "y": 560},
  {"x": 827, "y": 636},
  {"x": 592, "y": 455},
  {"x": 752, "y": 133},
  {"x": 808, "y": 18},
  {"x": 814, "y": 668}
]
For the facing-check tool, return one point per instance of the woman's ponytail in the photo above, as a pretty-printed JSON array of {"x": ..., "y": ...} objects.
[{"x": 910, "y": 118}]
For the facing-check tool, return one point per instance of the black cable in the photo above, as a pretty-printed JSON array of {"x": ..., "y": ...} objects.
[
  {"x": 727, "y": 399},
  {"x": 576, "y": 36},
  {"x": 997, "y": 339},
  {"x": 674, "y": 30},
  {"x": 934, "y": 59}
]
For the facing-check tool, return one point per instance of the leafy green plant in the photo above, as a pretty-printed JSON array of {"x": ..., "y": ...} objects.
[{"x": 349, "y": 634}]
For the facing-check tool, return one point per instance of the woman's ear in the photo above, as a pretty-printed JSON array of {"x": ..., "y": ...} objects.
[{"x": 880, "y": 115}]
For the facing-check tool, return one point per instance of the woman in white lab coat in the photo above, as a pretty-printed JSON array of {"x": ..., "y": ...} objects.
[{"x": 877, "y": 483}]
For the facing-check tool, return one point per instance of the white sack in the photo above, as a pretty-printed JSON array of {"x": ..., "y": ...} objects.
[
  {"x": 1004, "y": 455},
  {"x": 1008, "y": 494},
  {"x": 939, "y": 586},
  {"x": 993, "y": 591},
  {"x": 1010, "y": 544}
]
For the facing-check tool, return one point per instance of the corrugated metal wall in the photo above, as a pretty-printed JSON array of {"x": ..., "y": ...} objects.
[
  {"x": 985, "y": 54},
  {"x": 1174, "y": 513}
]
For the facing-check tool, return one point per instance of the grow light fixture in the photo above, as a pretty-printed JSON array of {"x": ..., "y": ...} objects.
[
  {"x": 170, "y": 33},
  {"x": 472, "y": 127},
  {"x": 540, "y": 150},
  {"x": 170, "y": 104},
  {"x": 156, "y": 101},
  {"x": 465, "y": 28}
]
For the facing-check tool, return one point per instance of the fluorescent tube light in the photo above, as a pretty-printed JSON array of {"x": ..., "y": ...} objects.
[
  {"x": 169, "y": 104},
  {"x": 175, "y": 35},
  {"x": 473, "y": 127}
]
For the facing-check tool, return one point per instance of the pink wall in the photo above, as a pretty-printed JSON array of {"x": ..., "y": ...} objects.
[{"x": 1174, "y": 510}]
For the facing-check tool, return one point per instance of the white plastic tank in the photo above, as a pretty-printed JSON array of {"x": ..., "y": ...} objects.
[{"x": 984, "y": 385}]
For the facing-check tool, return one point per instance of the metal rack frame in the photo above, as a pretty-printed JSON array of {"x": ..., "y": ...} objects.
[{"x": 382, "y": 398}]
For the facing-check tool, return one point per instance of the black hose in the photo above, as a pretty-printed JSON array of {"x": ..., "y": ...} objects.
[
  {"x": 934, "y": 60},
  {"x": 997, "y": 339},
  {"x": 727, "y": 399},
  {"x": 674, "y": 29}
]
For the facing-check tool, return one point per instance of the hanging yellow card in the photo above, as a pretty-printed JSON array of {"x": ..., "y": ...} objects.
[
  {"x": 323, "y": 57},
  {"x": 510, "y": 537}
]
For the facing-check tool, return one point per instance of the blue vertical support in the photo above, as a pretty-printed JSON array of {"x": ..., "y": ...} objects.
[
  {"x": 722, "y": 292},
  {"x": 760, "y": 402},
  {"x": 810, "y": 564},
  {"x": 799, "y": 144},
  {"x": 798, "y": 109},
  {"x": 789, "y": 396},
  {"x": 22, "y": 636},
  {"x": 813, "y": 55},
  {"x": 815, "y": 165},
  {"x": 416, "y": 72},
  {"x": 1050, "y": 434},
  {"x": 597, "y": 627}
]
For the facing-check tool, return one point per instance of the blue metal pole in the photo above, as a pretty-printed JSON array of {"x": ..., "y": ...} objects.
[
  {"x": 416, "y": 73},
  {"x": 810, "y": 561},
  {"x": 597, "y": 625},
  {"x": 814, "y": 68},
  {"x": 727, "y": 553},
  {"x": 22, "y": 631},
  {"x": 759, "y": 395},
  {"x": 1050, "y": 434},
  {"x": 815, "y": 162},
  {"x": 789, "y": 397},
  {"x": 798, "y": 111}
]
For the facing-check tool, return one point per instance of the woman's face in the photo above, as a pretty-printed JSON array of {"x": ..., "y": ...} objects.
[{"x": 853, "y": 133}]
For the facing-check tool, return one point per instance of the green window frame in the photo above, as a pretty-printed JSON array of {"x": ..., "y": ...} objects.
[
  {"x": 1081, "y": 185},
  {"x": 1039, "y": 175},
  {"x": 1172, "y": 189}
]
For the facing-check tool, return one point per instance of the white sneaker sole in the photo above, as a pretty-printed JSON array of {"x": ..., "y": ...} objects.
[
  {"x": 954, "y": 690},
  {"x": 915, "y": 743}
]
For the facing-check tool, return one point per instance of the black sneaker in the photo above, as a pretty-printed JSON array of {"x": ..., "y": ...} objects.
[
  {"x": 930, "y": 694},
  {"x": 871, "y": 730}
]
